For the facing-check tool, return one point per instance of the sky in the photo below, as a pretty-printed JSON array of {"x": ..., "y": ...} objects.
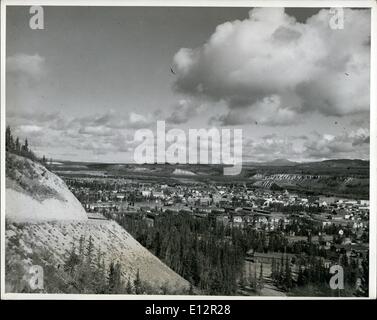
[{"x": 81, "y": 87}]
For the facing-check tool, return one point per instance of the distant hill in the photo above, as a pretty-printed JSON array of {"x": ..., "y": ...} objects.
[
  {"x": 281, "y": 162},
  {"x": 337, "y": 163}
]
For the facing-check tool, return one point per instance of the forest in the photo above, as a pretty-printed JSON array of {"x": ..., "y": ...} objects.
[{"x": 211, "y": 256}]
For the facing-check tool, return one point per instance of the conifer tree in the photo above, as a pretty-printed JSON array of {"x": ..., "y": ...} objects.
[
  {"x": 89, "y": 252},
  {"x": 129, "y": 287},
  {"x": 72, "y": 261},
  {"x": 191, "y": 289},
  {"x": 81, "y": 245},
  {"x": 114, "y": 278},
  {"x": 261, "y": 277},
  {"x": 17, "y": 147},
  {"x": 287, "y": 275},
  {"x": 137, "y": 283},
  {"x": 9, "y": 143}
]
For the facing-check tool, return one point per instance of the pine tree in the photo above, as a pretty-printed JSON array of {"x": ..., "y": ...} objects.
[
  {"x": 81, "y": 245},
  {"x": 129, "y": 287},
  {"x": 242, "y": 282},
  {"x": 99, "y": 278},
  {"x": 251, "y": 279},
  {"x": 287, "y": 275},
  {"x": 191, "y": 290},
  {"x": 273, "y": 269},
  {"x": 300, "y": 276},
  {"x": 72, "y": 261},
  {"x": 9, "y": 144},
  {"x": 89, "y": 252},
  {"x": 17, "y": 146},
  {"x": 260, "y": 283},
  {"x": 111, "y": 277},
  {"x": 114, "y": 278},
  {"x": 363, "y": 288},
  {"x": 25, "y": 147},
  {"x": 137, "y": 283}
]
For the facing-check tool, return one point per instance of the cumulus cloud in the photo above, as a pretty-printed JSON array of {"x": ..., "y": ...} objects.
[
  {"x": 271, "y": 69},
  {"x": 111, "y": 120},
  {"x": 104, "y": 134},
  {"x": 267, "y": 111},
  {"x": 316, "y": 146},
  {"x": 354, "y": 143},
  {"x": 360, "y": 137},
  {"x": 183, "y": 112},
  {"x": 271, "y": 147},
  {"x": 30, "y": 65}
]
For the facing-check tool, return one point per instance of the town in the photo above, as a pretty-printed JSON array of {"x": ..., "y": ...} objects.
[{"x": 279, "y": 231}]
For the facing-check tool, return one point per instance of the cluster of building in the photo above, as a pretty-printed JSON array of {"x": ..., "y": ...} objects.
[{"x": 235, "y": 205}]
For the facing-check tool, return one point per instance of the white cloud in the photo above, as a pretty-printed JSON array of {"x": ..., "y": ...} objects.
[
  {"x": 354, "y": 144},
  {"x": 183, "y": 112},
  {"x": 24, "y": 64},
  {"x": 276, "y": 68},
  {"x": 267, "y": 111}
]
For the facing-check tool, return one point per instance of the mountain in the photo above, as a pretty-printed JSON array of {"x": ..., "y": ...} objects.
[
  {"x": 337, "y": 163},
  {"x": 45, "y": 223},
  {"x": 281, "y": 162}
]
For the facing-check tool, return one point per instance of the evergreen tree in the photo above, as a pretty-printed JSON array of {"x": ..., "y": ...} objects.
[
  {"x": 300, "y": 276},
  {"x": 191, "y": 290},
  {"x": 114, "y": 278},
  {"x": 72, "y": 261},
  {"x": 287, "y": 275},
  {"x": 25, "y": 148},
  {"x": 9, "y": 144},
  {"x": 261, "y": 281},
  {"x": 17, "y": 147},
  {"x": 129, "y": 287},
  {"x": 99, "y": 277},
  {"x": 273, "y": 269},
  {"x": 81, "y": 245},
  {"x": 137, "y": 283},
  {"x": 89, "y": 252},
  {"x": 363, "y": 288}
]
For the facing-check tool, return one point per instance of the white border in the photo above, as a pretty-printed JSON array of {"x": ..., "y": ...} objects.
[{"x": 196, "y": 3}]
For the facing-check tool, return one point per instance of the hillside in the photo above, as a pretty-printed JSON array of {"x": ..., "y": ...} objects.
[
  {"x": 32, "y": 191},
  {"x": 45, "y": 223}
]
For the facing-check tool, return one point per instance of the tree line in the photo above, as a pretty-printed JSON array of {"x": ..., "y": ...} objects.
[{"x": 14, "y": 145}]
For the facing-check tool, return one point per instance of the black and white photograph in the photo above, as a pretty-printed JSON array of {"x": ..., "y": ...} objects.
[{"x": 188, "y": 150}]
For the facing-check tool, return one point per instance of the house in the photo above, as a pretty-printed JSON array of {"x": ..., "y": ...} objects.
[
  {"x": 222, "y": 219},
  {"x": 146, "y": 193},
  {"x": 149, "y": 219},
  {"x": 237, "y": 221}
]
